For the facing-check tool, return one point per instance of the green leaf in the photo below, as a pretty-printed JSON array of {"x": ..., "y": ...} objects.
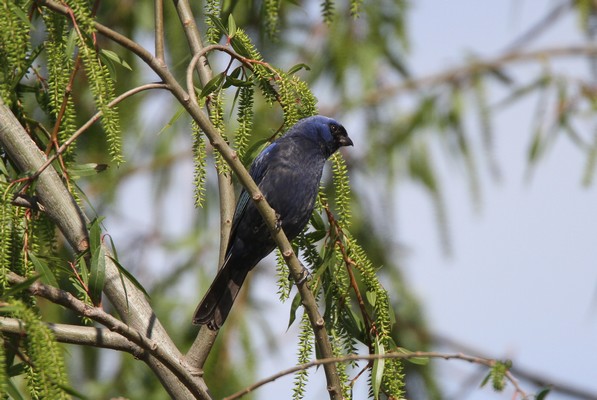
[
  {"x": 112, "y": 56},
  {"x": 17, "y": 369},
  {"x": 231, "y": 27},
  {"x": 354, "y": 324},
  {"x": 486, "y": 379},
  {"x": 95, "y": 234},
  {"x": 217, "y": 22},
  {"x": 77, "y": 171},
  {"x": 12, "y": 391},
  {"x": 378, "y": 367},
  {"x": 252, "y": 151},
  {"x": 231, "y": 81},
  {"x": 129, "y": 276},
  {"x": 45, "y": 272},
  {"x": 413, "y": 360},
  {"x": 296, "y": 302},
  {"x": 213, "y": 84},
  {"x": 542, "y": 394},
  {"x": 371, "y": 297},
  {"x": 84, "y": 270},
  {"x": 174, "y": 118},
  {"x": 71, "y": 42},
  {"x": 97, "y": 275},
  {"x": 16, "y": 10},
  {"x": 298, "y": 67},
  {"x": 72, "y": 392}
]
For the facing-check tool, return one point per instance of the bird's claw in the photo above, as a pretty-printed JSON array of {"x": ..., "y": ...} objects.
[
  {"x": 278, "y": 222},
  {"x": 305, "y": 276}
]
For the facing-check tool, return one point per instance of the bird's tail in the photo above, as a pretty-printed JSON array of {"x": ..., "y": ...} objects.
[{"x": 217, "y": 302}]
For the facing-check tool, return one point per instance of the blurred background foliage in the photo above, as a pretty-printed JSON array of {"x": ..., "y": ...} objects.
[{"x": 357, "y": 63}]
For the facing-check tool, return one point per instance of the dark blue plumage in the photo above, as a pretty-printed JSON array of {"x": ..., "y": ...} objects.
[{"x": 288, "y": 173}]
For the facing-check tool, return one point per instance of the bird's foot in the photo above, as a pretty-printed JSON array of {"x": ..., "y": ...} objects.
[
  {"x": 278, "y": 222},
  {"x": 305, "y": 276}
]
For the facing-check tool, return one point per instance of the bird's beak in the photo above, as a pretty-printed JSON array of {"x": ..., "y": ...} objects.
[{"x": 345, "y": 141}]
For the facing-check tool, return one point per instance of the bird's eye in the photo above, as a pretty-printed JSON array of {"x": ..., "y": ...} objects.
[{"x": 334, "y": 128}]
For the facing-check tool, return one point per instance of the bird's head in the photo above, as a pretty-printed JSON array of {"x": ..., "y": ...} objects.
[{"x": 326, "y": 132}]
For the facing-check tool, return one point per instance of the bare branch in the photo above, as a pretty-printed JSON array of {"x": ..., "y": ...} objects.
[
  {"x": 79, "y": 335},
  {"x": 159, "y": 30},
  {"x": 369, "y": 357}
]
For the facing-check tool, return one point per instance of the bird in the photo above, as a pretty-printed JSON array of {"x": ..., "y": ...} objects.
[{"x": 288, "y": 174}]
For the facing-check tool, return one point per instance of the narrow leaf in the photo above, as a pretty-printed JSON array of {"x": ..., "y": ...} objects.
[
  {"x": 542, "y": 395},
  {"x": 45, "y": 272},
  {"x": 213, "y": 84},
  {"x": 296, "y": 302},
  {"x": 231, "y": 27},
  {"x": 79, "y": 170},
  {"x": 12, "y": 391},
  {"x": 112, "y": 56},
  {"x": 129, "y": 276},
  {"x": 378, "y": 367},
  {"x": 95, "y": 232},
  {"x": 298, "y": 67},
  {"x": 174, "y": 118},
  {"x": 97, "y": 275}
]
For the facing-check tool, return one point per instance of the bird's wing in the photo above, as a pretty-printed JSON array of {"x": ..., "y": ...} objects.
[{"x": 257, "y": 172}]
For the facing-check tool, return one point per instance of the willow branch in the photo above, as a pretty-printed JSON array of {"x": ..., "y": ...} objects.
[
  {"x": 370, "y": 357},
  {"x": 159, "y": 30},
  {"x": 187, "y": 20},
  {"x": 79, "y": 335}
]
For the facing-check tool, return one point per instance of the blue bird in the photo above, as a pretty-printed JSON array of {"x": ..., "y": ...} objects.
[{"x": 288, "y": 173}]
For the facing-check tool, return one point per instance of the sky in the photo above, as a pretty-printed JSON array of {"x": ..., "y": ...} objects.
[{"x": 522, "y": 280}]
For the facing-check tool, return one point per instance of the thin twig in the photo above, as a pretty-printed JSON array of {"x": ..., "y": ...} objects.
[
  {"x": 370, "y": 357},
  {"x": 79, "y": 335},
  {"x": 159, "y": 30}
]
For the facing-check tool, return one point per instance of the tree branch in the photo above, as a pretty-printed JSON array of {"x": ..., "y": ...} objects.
[
  {"x": 159, "y": 30},
  {"x": 369, "y": 357},
  {"x": 79, "y": 335}
]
